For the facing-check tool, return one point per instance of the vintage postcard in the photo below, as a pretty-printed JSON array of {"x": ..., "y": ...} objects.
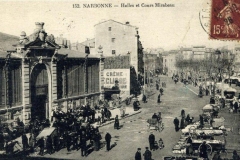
[{"x": 120, "y": 80}]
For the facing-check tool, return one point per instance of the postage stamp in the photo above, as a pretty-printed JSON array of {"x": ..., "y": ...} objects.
[{"x": 225, "y": 20}]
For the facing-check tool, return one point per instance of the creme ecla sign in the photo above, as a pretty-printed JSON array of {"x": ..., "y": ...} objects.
[{"x": 121, "y": 75}]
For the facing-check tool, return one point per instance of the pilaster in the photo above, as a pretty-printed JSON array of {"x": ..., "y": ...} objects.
[
  {"x": 26, "y": 91},
  {"x": 54, "y": 84}
]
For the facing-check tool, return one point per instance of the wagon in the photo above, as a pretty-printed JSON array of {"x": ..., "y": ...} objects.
[
  {"x": 212, "y": 145},
  {"x": 154, "y": 124}
]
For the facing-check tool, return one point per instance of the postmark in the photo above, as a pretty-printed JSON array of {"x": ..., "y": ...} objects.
[{"x": 225, "y": 20}]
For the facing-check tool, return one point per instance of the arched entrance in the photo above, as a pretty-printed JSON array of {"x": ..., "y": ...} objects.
[{"x": 39, "y": 92}]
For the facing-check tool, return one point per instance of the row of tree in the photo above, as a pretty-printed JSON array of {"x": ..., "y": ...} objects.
[{"x": 217, "y": 65}]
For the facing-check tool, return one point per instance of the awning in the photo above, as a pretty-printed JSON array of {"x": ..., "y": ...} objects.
[
  {"x": 208, "y": 106},
  {"x": 230, "y": 90},
  {"x": 111, "y": 91},
  {"x": 46, "y": 132},
  {"x": 222, "y": 86}
]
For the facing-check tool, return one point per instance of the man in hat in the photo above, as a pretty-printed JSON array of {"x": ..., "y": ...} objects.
[
  {"x": 138, "y": 155},
  {"x": 147, "y": 155},
  {"x": 151, "y": 140}
]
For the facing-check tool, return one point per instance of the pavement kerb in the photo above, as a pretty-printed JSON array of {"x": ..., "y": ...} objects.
[{"x": 129, "y": 115}]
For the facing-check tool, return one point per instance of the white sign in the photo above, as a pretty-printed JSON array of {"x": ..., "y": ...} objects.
[{"x": 123, "y": 77}]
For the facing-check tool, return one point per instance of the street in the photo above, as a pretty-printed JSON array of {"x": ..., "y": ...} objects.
[{"x": 134, "y": 131}]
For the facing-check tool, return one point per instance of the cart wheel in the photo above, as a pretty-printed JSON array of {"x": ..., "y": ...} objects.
[{"x": 209, "y": 148}]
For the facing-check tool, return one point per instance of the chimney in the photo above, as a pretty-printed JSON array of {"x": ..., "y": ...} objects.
[
  {"x": 39, "y": 25},
  {"x": 127, "y": 23}
]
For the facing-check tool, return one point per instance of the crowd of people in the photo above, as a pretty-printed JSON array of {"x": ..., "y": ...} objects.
[
  {"x": 185, "y": 120},
  {"x": 72, "y": 130}
]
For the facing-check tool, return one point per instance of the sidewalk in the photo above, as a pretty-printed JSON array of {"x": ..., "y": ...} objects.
[{"x": 117, "y": 111}]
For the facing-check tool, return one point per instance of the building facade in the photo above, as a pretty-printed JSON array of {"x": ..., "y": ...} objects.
[
  {"x": 169, "y": 61},
  {"x": 39, "y": 76},
  {"x": 117, "y": 38}
]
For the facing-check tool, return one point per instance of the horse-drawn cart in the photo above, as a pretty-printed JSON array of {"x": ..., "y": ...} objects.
[{"x": 155, "y": 124}]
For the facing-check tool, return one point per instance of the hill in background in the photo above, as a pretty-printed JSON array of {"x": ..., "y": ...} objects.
[{"x": 7, "y": 40}]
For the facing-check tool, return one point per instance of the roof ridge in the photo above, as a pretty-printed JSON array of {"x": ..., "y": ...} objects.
[{"x": 116, "y": 22}]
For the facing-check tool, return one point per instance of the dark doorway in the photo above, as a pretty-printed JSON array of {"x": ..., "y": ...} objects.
[
  {"x": 39, "y": 92},
  {"x": 39, "y": 107}
]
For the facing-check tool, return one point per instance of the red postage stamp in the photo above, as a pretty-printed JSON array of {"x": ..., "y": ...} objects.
[{"x": 225, "y": 20}]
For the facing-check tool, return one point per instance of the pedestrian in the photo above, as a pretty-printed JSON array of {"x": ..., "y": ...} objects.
[
  {"x": 83, "y": 144},
  {"x": 49, "y": 145},
  {"x": 182, "y": 124},
  {"x": 116, "y": 122},
  {"x": 144, "y": 99},
  {"x": 176, "y": 123},
  {"x": 183, "y": 113},
  {"x": 147, "y": 155},
  {"x": 138, "y": 155},
  {"x": 159, "y": 96},
  {"x": 161, "y": 144},
  {"x": 188, "y": 119},
  {"x": 102, "y": 114},
  {"x": 235, "y": 107},
  {"x": 108, "y": 141},
  {"x": 235, "y": 155},
  {"x": 151, "y": 140},
  {"x": 24, "y": 141},
  {"x": 203, "y": 150}
]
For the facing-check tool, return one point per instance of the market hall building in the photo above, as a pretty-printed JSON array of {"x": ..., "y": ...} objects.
[{"x": 39, "y": 76}]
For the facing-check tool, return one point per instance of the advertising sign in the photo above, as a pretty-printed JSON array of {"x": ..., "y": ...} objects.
[{"x": 123, "y": 77}]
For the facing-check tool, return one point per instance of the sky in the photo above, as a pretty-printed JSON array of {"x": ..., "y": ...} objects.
[{"x": 159, "y": 27}]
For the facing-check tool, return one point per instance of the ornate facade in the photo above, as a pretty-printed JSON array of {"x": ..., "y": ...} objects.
[{"x": 39, "y": 77}]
